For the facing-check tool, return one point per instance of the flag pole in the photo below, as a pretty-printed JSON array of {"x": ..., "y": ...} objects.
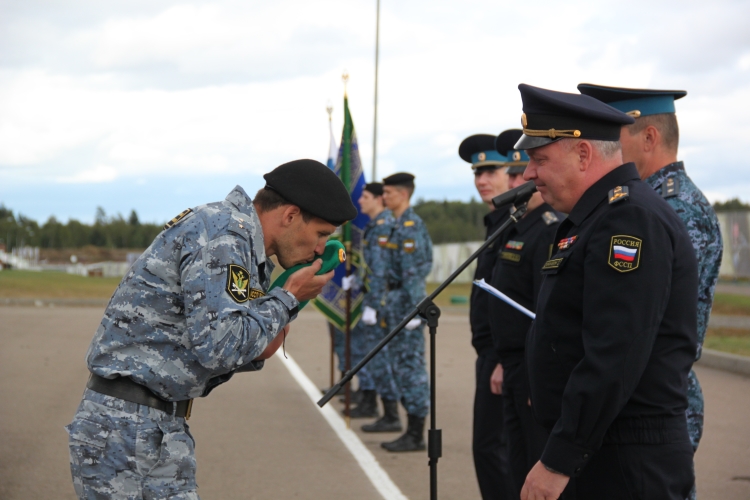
[
  {"x": 375, "y": 119},
  {"x": 331, "y": 331},
  {"x": 346, "y": 179}
]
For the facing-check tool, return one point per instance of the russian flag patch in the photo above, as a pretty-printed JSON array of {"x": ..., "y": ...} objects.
[{"x": 625, "y": 253}]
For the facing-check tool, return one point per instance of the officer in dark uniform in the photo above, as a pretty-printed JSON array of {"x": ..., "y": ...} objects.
[
  {"x": 489, "y": 443},
  {"x": 521, "y": 252},
  {"x": 615, "y": 333}
]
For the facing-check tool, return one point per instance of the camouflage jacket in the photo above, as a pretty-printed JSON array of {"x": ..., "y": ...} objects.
[
  {"x": 193, "y": 308},
  {"x": 702, "y": 226},
  {"x": 410, "y": 259},
  {"x": 376, "y": 235}
]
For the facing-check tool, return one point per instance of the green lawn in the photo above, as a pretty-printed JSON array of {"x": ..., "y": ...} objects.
[
  {"x": 54, "y": 285},
  {"x": 728, "y": 340},
  {"x": 735, "y": 305}
]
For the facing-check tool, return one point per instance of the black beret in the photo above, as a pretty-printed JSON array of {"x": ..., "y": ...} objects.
[
  {"x": 399, "y": 179},
  {"x": 634, "y": 102},
  {"x": 549, "y": 116},
  {"x": 314, "y": 188},
  {"x": 375, "y": 188}
]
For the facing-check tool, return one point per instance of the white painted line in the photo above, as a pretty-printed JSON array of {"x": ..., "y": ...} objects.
[{"x": 366, "y": 460}]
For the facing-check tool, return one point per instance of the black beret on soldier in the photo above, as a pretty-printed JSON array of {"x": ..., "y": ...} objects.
[
  {"x": 399, "y": 179},
  {"x": 314, "y": 188},
  {"x": 375, "y": 188}
]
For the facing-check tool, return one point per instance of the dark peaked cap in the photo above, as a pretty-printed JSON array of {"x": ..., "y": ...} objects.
[
  {"x": 314, "y": 188},
  {"x": 549, "y": 116},
  {"x": 399, "y": 179},
  {"x": 504, "y": 143},
  {"x": 634, "y": 102},
  {"x": 479, "y": 150}
]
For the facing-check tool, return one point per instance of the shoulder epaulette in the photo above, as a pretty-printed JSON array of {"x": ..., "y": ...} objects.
[
  {"x": 549, "y": 218},
  {"x": 177, "y": 218},
  {"x": 619, "y": 193},
  {"x": 671, "y": 187}
]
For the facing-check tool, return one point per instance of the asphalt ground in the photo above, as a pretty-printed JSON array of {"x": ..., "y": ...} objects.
[{"x": 260, "y": 435}]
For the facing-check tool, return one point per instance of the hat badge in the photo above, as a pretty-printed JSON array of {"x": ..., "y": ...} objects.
[
  {"x": 516, "y": 156},
  {"x": 482, "y": 156}
]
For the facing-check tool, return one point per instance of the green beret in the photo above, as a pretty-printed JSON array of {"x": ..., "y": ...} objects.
[{"x": 314, "y": 188}]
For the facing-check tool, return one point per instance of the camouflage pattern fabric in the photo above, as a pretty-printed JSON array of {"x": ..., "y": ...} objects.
[
  {"x": 193, "y": 308},
  {"x": 121, "y": 450},
  {"x": 703, "y": 227},
  {"x": 410, "y": 261}
]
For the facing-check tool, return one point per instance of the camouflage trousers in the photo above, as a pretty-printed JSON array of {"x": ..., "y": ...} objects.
[
  {"x": 406, "y": 354},
  {"x": 122, "y": 450},
  {"x": 358, "y": 346},
  {"x": 379, "y": 367},
  {"x": 694, "y": 415}
]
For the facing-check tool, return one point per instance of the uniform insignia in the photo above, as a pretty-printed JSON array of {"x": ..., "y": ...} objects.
[
  {"x": 566, "y": 242},
  {"x": 671, "y": 187},
  {"x": 516, "y": 156},
  {"x": 382, "y": 240},
  {"x": 514, "y": 245},
  {"x": 513, "y": 257},
  {"x": 552, "y": 264},
  {"x": 619, "y": 193},
  {"x": 409, "y": 223},
  {"x": 380, "y": 222},
  {"x": 409, "y": 245},
  {"x": 549, "y": 218},
  {"x": 625, "y": 253},
  {"x": 342, "y": 255},
  {"x": 482, "y": 156},
  {"x": 392, "y": 246},
  {"x": 238, "y": 284},
  {"x": 178, "y": 218}
]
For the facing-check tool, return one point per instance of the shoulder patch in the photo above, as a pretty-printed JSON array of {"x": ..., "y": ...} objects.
[
  {"x": 549, "y": 218},
  {"x": 238, "y": 284},
  {"x": 178, "y": 218},
  {"x": 409, "y": 245},
  {"x": 408, "y": 223},
  {"x": 620, "y": 193},
  {"x": 625, "y": 253},
  {"x": 671, "y": 187}
]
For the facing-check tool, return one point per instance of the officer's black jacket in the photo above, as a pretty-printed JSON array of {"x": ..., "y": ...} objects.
[
  {"x": 523, "y": 250},
  {"x": 609, "y": 346},
  {"x": 481, "y": 338}
]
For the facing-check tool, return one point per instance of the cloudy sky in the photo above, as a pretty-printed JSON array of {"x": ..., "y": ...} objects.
[{"x": 158, "y": 105}]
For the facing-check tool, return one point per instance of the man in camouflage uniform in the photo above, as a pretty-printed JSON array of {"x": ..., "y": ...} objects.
[
  {"x": 376, "y": 377},
  {"x": 192, "y": 310},
  {"x": 410, "y": 261},
  {"x": 651, "y": 143}
]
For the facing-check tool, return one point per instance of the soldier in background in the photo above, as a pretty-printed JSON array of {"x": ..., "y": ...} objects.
[
  {"x": 376, "y": 377},
  {"x": 521, "y": 252},
  {"x": 409, "y": 262},
  {"x": 489, "y": 441},
  {"x": 193, "y": 310},
  {"x": 651, "y": 143}
]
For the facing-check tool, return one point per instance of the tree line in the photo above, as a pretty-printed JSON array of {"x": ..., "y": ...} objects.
[
  {"x": 447, "y": 222},
  {"x": 111, "y": 232}
]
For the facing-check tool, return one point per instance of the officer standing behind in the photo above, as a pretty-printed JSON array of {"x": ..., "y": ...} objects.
[
  {"x": 651, "y": 143},
  {"x": 489, "y": 441},
  {"x": 521, "y": 252},
  {"x": 409, "y": 263},
  {"x": 615, "y": 332},
  {"x": 376, "y": 377},
  {"x": 192, "y": 310}
]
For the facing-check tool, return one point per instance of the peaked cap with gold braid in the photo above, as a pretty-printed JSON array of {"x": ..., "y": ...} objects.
[{"x": 549, "y": 116}]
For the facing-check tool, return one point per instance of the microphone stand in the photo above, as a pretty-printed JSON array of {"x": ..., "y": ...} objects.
[{"x": 431, "y": 312}]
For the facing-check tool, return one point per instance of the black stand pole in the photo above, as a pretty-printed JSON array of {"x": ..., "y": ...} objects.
[{"x": 428, "y": 310}]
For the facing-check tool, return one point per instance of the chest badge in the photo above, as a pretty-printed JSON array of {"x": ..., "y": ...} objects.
[
  {"x": 514, "y": 245},
  {"x": 625, "y": 253},
  {"x": 382, "y": 240},
  {"x": 409, "y": 245},
  {"x": 566, "y": 243}
]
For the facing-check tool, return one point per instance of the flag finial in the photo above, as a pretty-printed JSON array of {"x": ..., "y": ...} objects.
[
  {"x": 345, "y": 78},
  {"x": 329, "y": 108}
]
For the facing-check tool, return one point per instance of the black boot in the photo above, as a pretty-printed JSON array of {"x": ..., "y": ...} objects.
[
  {"x": 367, "y": 407},
  {"x": 355, "y": 397},
  {"x": 411, "y": 440},
  {"x": 389, "y": 422}
]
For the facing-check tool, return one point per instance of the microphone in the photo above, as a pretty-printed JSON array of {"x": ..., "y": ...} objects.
[{"x": 516, "y": 196}]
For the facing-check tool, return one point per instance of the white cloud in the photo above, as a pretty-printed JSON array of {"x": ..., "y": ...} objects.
[{"x": 96, "y": 175}]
